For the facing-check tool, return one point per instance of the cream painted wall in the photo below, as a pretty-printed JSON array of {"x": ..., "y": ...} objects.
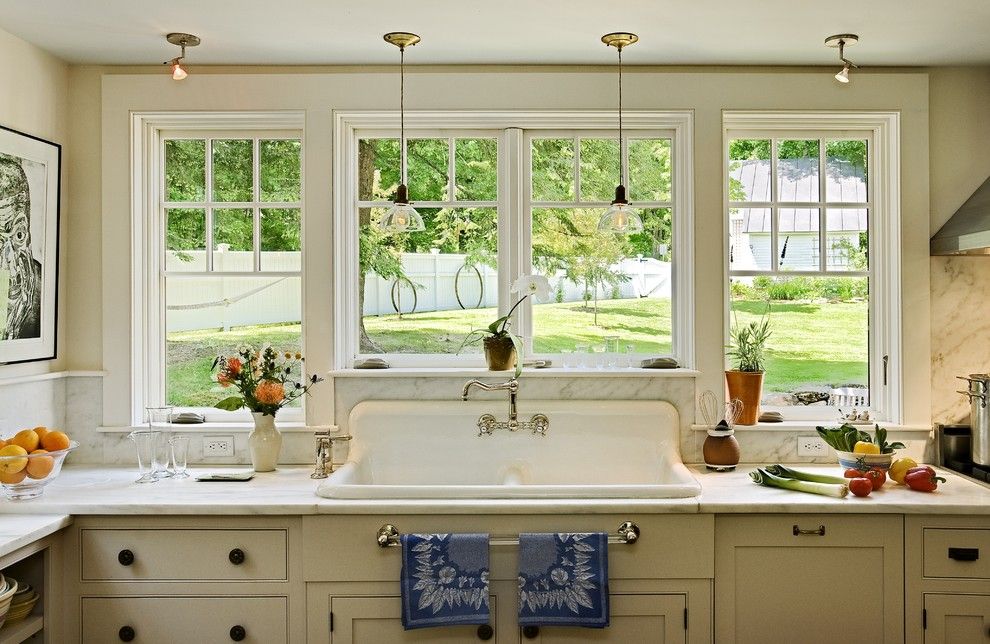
[
  {"x": 34, "y": 100},
  {"x": 960, "y": 163},
  {"x": 319, "y": 92}
]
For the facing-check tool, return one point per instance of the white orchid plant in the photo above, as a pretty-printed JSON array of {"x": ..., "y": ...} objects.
[{"x": 526, "y": 286}]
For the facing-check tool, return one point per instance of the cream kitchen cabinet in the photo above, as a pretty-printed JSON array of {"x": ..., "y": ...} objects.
[
  {"x": 947, "y": 579},
  {"x": 789, "y": 578},
  {"x": 660, "y": 587}
]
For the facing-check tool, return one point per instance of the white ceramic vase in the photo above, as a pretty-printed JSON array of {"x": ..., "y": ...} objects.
[{"x": 265, "y": 443}]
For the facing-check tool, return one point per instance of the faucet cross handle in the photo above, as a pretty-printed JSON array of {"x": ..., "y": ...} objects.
[
  {"x": 540, "y": 424},
  {"x": 487, "y": 425}
]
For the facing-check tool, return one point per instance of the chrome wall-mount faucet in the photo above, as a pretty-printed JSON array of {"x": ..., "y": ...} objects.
[
  {"x": 487, "y": 423},
  {"x": 324, "y": 453}
]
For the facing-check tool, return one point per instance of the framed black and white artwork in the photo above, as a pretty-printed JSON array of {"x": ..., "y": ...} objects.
[{"x": 30, "y": 170}]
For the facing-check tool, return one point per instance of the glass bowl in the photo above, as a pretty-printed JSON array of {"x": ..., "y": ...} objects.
[{"x": 25, "y": 477}]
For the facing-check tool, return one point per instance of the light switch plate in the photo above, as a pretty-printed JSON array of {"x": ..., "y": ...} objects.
[{"x": 218, "y": 446}]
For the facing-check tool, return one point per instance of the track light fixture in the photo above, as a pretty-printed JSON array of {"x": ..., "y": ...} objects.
[
  {"x": 183, "y": 41},
  {"x": 842, "y": 41}
]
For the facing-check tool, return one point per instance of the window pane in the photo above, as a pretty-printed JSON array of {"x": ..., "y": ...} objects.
[
  {"x": 378, "y": 169},
  {"x": 749, "y": 170},
  {"x": 847, "y": 239},
  {"x": 280, "y": 162},
  {"x": 208, "y": 316},
  {"x": 798, "y": 241},
  {"x": 797, "y": 171},
  {"x": 185, "y": 239},
  {"x": 649, "y": 169},
  {"x": 820, "y": 339},
  {"x": 845, "y": 171},
  {"x": 599, "y": 285},
  {"x": 185, "y": 170},
  {"x": 424, "y": 292},
  {"x": 476, "y": 169},
  {"x": 553, "y": 169},
  {"x": 428, "y": 171},
  {"x": 599, "y": 169},
  {"x": 233, "y": 229},
  {"x": 232, "y": 170},
  {"x": 281, "y": 244},
  {"x": 749, "y": 239}
]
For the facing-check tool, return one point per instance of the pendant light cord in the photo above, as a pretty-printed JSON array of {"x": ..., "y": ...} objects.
[
  {"x": 402, "y": 112},
  {"x": 622, "y": 161}
]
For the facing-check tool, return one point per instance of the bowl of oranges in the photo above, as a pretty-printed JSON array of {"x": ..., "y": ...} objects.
[{"x": 31, "y": 459}]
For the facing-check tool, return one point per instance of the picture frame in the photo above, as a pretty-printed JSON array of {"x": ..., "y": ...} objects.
[{"x": 30, "y": 204}]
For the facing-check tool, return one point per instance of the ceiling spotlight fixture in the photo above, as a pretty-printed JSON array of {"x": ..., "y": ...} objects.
[
  {"x": 842, "y": 41},
  {"x": 620, "y": 217},
  {"x": 183, "y": 41},
  {"x": 402, "y": 217}
]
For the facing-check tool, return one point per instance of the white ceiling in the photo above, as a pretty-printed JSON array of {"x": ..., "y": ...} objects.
[{"x": 692, "y": 32}]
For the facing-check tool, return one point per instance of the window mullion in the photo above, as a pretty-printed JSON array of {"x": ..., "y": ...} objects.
[
  {"x": 209, "y": 200},
  {"x": 822, "y": 198},
  {"x": 577, "y": 170},
  {"x": 774, "y": 211},
  {"x": 256, "y": 208}
]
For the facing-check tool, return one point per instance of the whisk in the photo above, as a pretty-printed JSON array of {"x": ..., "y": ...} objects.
[
  {"x": 709, "y": 405},
  {"x": 733, "y": 409}
]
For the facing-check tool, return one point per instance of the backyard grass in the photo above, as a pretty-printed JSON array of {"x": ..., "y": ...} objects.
[{"x": 812, "y": 343}]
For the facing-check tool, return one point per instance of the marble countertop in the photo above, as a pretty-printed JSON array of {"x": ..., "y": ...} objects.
[
  {"x": 290, "y": 491},
  {"x": 17, "y": 531}
]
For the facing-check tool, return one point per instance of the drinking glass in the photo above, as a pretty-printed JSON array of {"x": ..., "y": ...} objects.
[
  {"x": 581, "y": 356},
  {"x": 160, "y": 422},
  {"x": 567, "y": 358},
  {"x": 611, "y": 351},
  {"x": 630, "y": 358},
  {"x": 147, "y": 453},
  {"x": 180, "y": 455},
  {"x": 598, "y": 359}
]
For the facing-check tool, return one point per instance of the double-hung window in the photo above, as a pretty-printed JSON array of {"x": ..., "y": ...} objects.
[
  {"x": 222, "y": 256},
  {"x": 812, "y": 245},
  {"x": 504, "y": 195}
]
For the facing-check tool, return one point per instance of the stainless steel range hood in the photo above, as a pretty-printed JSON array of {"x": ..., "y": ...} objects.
[{"x": 968, "y": 231}]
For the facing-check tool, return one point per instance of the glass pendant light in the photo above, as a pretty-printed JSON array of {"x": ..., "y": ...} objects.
[
  {"x": 620, "y": 217},
  {"x": 402, "y": 217},
  {"x": 842, "y": 41}
]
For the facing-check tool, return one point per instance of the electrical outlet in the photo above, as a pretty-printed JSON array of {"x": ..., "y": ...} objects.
[
  {"x": 811, "y": 446},
  {"x": 218, "y": 446}
]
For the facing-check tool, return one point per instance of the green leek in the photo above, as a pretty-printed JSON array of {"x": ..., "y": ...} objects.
[
  {"x": 763, "y": 477},
  {"x": 788, "y": 473}
]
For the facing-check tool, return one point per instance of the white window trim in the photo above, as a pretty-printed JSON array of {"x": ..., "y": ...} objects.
[
  {"x": 885, "y": 296},
  {"x": 514, "y": 251},
  {"x": 148, "y": 129}
]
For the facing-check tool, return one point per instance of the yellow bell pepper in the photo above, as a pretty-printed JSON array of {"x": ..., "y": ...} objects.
[
  {"x": 899, "y": 468},
  {"x": 862, "y": 447}
]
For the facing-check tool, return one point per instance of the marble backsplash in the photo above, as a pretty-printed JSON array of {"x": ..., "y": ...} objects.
[
  {"x": 75, "y": 403},
  {"x": 960, "y": 331}
]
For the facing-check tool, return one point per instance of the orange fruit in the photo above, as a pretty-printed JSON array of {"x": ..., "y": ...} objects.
[
  {"x": 39, "y": 467},
  {"x": 12, "y": 478},
  {"x": 16, "y": 459},
  {"x": 41, "y": 431},
  {"x": 27, "y": 439},
  {"x": 55, "y": 441}
]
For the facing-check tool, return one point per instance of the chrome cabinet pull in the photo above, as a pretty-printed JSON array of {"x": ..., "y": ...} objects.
[{"x": 820, "y": 531}]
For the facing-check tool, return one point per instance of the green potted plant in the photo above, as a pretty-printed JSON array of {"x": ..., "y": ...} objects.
[
  {"x": 747, "y": 350},
  {"x": 502, "y": 347}
]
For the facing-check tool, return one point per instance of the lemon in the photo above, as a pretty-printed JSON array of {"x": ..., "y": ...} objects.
[
  {"x": 15, "y": 461},
  {"x": 862, "y": 447}
]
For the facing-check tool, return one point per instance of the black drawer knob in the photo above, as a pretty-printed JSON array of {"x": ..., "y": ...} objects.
[
  {"x": 236, "y": 556},
  {"x": 126, "y": 558},
  {"x": 964, "y": 554},
  {"x": 486, "y": 632},
  {"x": 126, "y": 634},
  {"x": 237, "y": 633},
  {"x": 531, "y": 632}
]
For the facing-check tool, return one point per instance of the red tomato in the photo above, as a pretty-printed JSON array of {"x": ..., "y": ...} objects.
[
  {"x": 877, "y": 477},
  {"x": 861, "y": 486},
  {"x": 922, "y": 479},
  {"x": 853, "y": 473}
]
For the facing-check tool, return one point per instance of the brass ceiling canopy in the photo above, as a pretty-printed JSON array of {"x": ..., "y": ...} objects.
[
  {"x": 841, "y": 40},
  {"x": 619, "y": 39},
  {"x": 401, "y": 39},
  {"x": 182, "y": 40}
]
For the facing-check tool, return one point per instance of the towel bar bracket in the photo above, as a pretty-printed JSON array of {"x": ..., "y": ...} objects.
[{"x": 628, "y": 533}]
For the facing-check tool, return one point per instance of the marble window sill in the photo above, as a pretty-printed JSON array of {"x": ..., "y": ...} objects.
[
  {"x": 474, "y": 372},
  {"x": 220, "y": 428},
  {"x": 809, "y": 425}
]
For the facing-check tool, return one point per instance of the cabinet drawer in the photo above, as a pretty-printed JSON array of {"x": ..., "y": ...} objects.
[
  {"x": 183, "y": 555},
  {"x": 957, "y": 552},
  {"x": 258, "y": 620}
]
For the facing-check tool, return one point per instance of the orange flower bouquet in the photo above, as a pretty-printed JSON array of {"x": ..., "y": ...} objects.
[{"x": 265, "y": 380}]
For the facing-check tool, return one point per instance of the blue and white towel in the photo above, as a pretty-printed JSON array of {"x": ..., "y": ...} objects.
[
  {"x": 563, "y": 580},
  {"x": 444, "y": 580}
]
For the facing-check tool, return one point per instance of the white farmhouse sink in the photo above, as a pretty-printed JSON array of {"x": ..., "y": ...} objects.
[{"x": 431, "y": 450}]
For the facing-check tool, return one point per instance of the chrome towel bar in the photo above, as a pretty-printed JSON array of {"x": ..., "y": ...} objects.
[{"x": 628, "y": 533}]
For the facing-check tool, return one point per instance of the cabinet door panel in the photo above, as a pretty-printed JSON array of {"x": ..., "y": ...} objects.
[
  {"x": 957, "y": 619},
  {"x": 634, "y": 618},
  {"x": 375, "y": 620}
]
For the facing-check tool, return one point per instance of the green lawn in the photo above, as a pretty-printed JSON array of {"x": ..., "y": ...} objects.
[{"x": 812, "y": 343}]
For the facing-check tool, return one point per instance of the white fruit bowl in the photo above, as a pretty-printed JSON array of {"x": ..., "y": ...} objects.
[{"x": 34, "y": 471}]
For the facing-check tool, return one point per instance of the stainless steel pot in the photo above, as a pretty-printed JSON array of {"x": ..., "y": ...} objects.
[{"x": 979, "y": 412}]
